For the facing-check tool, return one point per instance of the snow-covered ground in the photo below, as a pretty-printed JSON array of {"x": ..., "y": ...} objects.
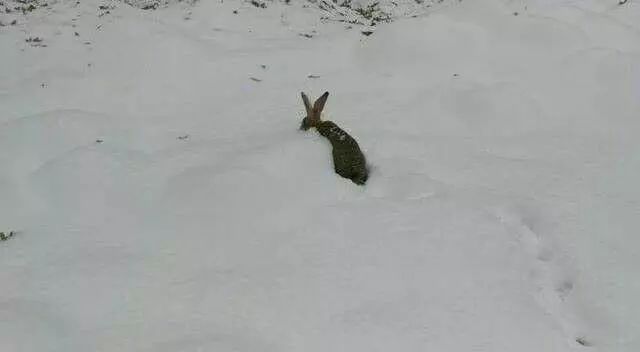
[{"x": 165, "y": 199}]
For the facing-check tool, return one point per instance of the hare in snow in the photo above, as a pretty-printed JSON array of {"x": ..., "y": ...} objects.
[{"x": 348, "y": 160}]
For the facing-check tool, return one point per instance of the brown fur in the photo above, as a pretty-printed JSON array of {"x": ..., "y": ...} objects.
[{"x": 348, "y": 160}]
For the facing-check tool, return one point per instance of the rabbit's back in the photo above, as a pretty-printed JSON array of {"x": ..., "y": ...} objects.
[{"x": 348, "y": 159}]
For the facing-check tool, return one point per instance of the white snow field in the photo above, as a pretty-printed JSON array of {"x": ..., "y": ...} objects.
[{"x": 165, "y": 200}]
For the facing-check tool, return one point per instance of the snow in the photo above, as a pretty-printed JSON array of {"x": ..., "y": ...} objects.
[{"x": 166, "y": 201}]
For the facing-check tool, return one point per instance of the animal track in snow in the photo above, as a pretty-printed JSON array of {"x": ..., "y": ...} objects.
[{"x": 553, "y": 287}]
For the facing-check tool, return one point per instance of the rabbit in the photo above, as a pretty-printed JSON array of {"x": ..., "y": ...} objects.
[{"x": 348, "y": 160}]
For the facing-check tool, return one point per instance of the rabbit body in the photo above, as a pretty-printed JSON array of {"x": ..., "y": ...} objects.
[{"x": 348, "y": 160}]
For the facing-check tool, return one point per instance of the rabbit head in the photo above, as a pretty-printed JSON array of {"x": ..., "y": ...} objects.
[{"x": 313, "y": 112}]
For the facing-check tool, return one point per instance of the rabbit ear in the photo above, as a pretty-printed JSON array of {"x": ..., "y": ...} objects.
[
  {"x": 319, "y": 104},
  {"x": 307, "y": 104}
]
